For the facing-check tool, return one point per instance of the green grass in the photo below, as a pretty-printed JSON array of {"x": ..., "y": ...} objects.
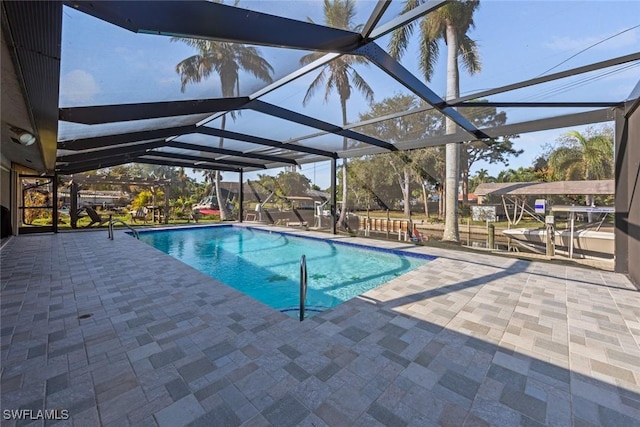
[{"x": 84, "y": 221}]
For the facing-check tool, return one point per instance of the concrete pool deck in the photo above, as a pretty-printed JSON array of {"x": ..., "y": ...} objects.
[{"x": 467, "y": 339}]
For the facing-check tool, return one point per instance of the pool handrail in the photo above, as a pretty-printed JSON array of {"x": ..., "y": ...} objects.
[
  {"x": 303, "y": 285},
  {"x": 113, "y": 221}
]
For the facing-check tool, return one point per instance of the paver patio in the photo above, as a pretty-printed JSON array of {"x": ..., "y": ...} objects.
[{"x": 465, "y": 340}]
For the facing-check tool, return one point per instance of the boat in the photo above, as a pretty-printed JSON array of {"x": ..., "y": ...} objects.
[
  {"x": 207, "y": 206},
  {"x": 586, "y": 242}
]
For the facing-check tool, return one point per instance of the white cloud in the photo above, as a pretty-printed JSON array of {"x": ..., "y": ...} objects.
[
  {"x": 78, "y": 86},
  {"x": 625, "y": 39}
]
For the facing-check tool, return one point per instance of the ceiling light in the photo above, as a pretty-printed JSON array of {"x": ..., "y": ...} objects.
[{"x": 26, "y": 138}]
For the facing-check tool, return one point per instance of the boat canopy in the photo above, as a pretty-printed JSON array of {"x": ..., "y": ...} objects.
[
  {"x": 547, "y": 188},
  {"x": 584, "y": 209}
]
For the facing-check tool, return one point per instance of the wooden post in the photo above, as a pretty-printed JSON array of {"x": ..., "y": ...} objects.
[
  {"x": 491, "y": 236},
  {"x": 387, "y": 223},
  {"x": 551, "y": 249},
  {"x": 572, "y": 217},
  {"x": 368, "y": 226}
]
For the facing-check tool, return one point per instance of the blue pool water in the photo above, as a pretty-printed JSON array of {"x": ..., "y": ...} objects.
[{"x": 266, "y": 265}]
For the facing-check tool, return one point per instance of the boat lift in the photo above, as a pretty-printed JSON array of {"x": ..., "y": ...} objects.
[
  {"x": 581, "y": 209},
  {"x": 518, "y": 192}
]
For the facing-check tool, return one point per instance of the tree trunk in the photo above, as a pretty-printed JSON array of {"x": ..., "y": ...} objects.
[
  {"x": 405, "y": 191},
  {"x": 342, "y": 222},
  {"x": 222, "y": 205},
  {"x": 425, "y": 198},
  {"x": 452, "y": 150},
  {"x": 465, "y": 186}
]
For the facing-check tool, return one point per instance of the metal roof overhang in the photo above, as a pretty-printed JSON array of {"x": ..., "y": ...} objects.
[
  {"x": 594, "y": 187},
  {"x": 128, "y": 112},
  {"x": 177, "y": 163},
  {"x": 148, "y": 110},
  {"x": 217, "y": 21},
  {"x": 37, "y": 53},
  {"x": 125, "y": 180},
  {"x": 261, "y": 29}
]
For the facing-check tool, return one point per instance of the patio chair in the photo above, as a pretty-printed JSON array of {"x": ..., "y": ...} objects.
[
  {"x": 194, "y": 215},
  {"x": 95, "y": 217},
  {"x": 140, "y": 213}
]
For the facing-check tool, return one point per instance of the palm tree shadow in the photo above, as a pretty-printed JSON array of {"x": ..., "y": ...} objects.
[
  {"x": 517, "y": 267},
  {"x": 491, "y": 380},
  {"x": 520, "y": 266}
]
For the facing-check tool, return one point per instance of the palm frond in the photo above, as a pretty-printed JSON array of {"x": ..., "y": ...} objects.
[
  {"x": 578, "y": 137},
  {"x": 193, "y": 70},
  {"x": 361, "y": 84},
  {"x": 429, "y": 52},
  {"x": 339, "y": 14},
  {"x": 564, "y": 162},
  {"x": 334, "y": 81},
  {"x": 434, "y": 25},
  {"x": 195, "y": 43},
  {"x": 469, "y": 54},
  {"x": 250, "y": 60},
  {"x": 400, "y": 41},
  {"x": 310, "y": 57},
  {"x": 226, "y": 59},
  {"x": 400, "y": 37},
  {"x": 315, "y": 84}
]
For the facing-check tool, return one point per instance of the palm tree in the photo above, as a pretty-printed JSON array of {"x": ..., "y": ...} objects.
[
  {"x": 226, "y": 60},
  {"x": 583, "y": 156},
  {"x": 588, "y": 156},
  {"x": 340, "y": 75},
  {"x": 480, "y": 177},
  {"x": 450, "y": 23}
]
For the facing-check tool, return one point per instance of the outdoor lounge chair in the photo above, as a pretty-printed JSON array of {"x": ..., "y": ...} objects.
[
  {"x": 95, "y": 217},
  {"x": 140, "y": 213}
]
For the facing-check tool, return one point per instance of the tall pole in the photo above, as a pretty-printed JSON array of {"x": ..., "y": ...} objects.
[
  {"x": 333, "y": 196},
  {"x": 55, "y": 202},
  {"x": 73, "y": 204},
  {"x": 240, "y": 211},
  {"x": 166, "y": 204}
]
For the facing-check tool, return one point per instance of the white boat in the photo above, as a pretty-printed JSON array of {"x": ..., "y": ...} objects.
[{"x": 586, "y": 242}]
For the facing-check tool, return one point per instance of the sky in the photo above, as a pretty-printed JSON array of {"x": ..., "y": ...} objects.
[{"x": 517, "y": 40}]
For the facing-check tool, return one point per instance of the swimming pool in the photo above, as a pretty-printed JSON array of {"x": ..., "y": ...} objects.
[{"x": 266, "y": 264}]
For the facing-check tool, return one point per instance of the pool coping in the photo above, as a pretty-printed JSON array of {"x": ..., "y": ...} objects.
[
  {"x": 303, "y": 234},
  {"x": 395, "y": 251}
]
